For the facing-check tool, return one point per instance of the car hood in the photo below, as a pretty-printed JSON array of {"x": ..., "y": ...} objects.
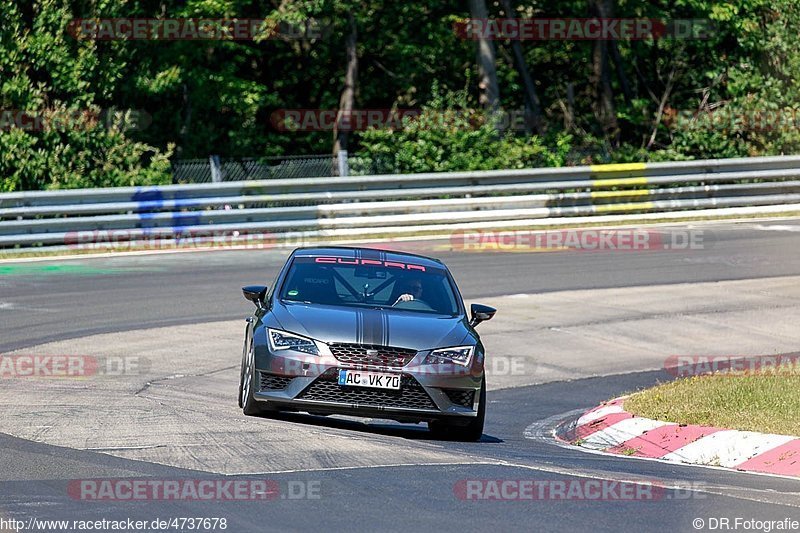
[{"x": 401, "y": 329}]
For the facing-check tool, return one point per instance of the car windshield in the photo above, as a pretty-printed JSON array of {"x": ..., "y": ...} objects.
[{"x": 365, "y": 282}]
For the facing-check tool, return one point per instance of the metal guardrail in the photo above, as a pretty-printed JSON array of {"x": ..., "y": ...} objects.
[{"x": 397, "y": 204}]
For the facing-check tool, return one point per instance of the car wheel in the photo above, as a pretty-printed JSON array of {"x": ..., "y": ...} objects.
[
  {"x": 470, "y": 432},
  {"x": 248, "y": 383},
  {"x": 240, "y": 396}
]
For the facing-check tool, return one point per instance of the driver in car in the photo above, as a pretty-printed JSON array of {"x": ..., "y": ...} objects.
[{"x": 411, "y": 289}]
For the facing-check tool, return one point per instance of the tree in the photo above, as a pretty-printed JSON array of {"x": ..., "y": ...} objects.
[
  {"x": 347, "y": 99},
  {"x": 59, "y": 123},
  {"x": 487, "y": 74},
  {"x": 532, "y": 105},
  {"x": 604, "y": 107}
]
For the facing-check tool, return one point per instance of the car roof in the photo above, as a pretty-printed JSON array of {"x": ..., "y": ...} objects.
[{"x": 367, "y": 253}]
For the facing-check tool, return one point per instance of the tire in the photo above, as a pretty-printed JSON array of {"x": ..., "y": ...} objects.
[
  {"x": 241, "y": 373},
  {"x": 469, "y": 433},
  {"x": 247, "y": 384}
]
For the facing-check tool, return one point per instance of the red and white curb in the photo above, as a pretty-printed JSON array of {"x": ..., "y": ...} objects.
[{"x": 611, "y": 429}]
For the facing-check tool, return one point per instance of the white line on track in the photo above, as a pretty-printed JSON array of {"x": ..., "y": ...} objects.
[
  {"x": 777, "y": 227},
  {"x": 759, "y": 495},
  {"x": 125, "y": 448},
  {"x": 362, "y": 467}
]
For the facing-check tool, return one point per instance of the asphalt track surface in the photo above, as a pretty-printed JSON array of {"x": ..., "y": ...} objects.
[{"x": 45, "y": 301}]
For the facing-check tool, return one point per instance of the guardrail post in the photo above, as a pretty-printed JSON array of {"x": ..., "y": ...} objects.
[
  {"x": 344, "y": 168},
  {"x": 216, "y": 169}
]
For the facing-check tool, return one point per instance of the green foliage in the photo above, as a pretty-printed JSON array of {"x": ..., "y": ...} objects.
[
  {"x": 53, "y": 131},
  {"x": 732, "y": 93},
  {"x": 744, "y": 99},
  {"x": 449, "y": 136},
  {"x": 78, "y": 149}
]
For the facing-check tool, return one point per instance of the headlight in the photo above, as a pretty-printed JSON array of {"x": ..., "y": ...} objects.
[
  {"x": 460, "y": 355},
  {"x": 283, "y": 340}
]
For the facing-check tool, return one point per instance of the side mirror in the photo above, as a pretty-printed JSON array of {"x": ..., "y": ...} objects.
[
  {"x": 480, "y": 313},
  {"x": 256, "y": 294}
]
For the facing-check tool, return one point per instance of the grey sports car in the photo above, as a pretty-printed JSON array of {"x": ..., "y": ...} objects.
[{"x": 365, "y": 332}]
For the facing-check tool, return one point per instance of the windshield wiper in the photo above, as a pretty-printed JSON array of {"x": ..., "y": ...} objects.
[{"x": 296, "y": 301}]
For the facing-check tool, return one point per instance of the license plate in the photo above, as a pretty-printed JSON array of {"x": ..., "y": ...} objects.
[{"x": 356, "y": 378}]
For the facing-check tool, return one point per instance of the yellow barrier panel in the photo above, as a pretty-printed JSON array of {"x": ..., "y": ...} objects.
[
  {"x": 619, "y": 182},
  {"x": 618, "y": 167}
]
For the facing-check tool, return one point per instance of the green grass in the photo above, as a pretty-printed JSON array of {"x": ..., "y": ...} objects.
[
  {"x": 41, "y": 269},
  {"x": 768, "y": 402}
]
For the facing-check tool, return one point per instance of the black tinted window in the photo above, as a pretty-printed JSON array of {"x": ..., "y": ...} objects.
[{"x": 359, "y": 282}]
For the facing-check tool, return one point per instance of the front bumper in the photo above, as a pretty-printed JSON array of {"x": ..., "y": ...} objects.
[{"x": 295, "y": 381}]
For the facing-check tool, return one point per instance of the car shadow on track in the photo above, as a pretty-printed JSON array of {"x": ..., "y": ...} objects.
[{"x": 369, "y": 426}]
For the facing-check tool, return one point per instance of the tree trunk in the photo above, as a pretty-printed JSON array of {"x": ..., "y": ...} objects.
[
  {"x": 348, "y": 95},
  {"x": 531, "y": 98},
  {"x": 186, "y": 127},
  {"x": 601, "y": 80},
  {"x": 487, "y": 74},
  {"x": 621, "y": 76},
  {"x": 569, "y": 119}
]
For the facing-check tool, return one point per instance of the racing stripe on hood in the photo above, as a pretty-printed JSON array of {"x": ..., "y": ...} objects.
[
  {"x": 374, "y": 327},
  {"x": 385, "y": 323}
]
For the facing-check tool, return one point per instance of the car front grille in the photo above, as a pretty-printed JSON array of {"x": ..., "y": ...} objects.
[
  {"x": 326, "y": 388},
  {"x": 386, "y": 355},
  {"x": 464, "y": 398},
  {"x": 274, "y": 382}
]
